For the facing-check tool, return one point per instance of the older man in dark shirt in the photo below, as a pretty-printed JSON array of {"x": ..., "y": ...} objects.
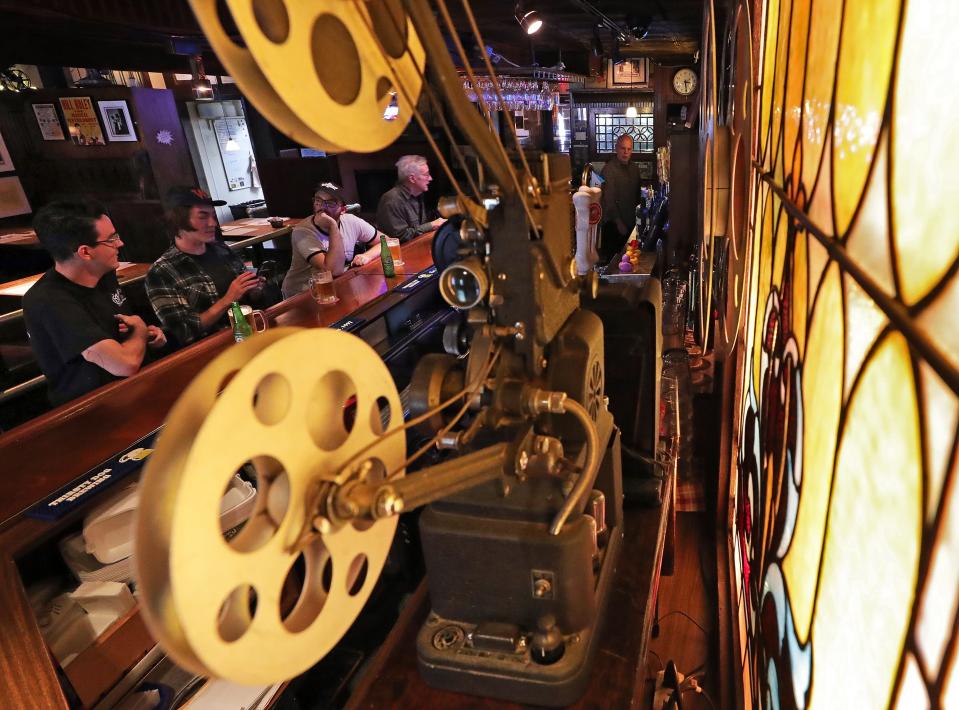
[
  {"x": 401, "y": 212},
  {"x": 620, "y": 195}
]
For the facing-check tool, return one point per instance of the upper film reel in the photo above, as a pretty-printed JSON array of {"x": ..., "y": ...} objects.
[
  {"x": 319, "y": 64},
  {"x": 226, "y": 607}
]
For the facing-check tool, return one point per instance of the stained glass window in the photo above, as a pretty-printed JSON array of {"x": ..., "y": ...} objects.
[
  {"x": 840, "y": 320},
  {"x": 609, "y": 127}
]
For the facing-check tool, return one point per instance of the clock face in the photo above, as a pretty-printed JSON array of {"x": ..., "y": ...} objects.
[{"x": 685, "y": 81}]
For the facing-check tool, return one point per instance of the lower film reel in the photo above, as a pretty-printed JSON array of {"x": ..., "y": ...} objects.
[{"x": 262, "y": 607}]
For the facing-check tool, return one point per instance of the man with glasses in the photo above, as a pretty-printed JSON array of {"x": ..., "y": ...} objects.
[
  {"x": 401, "y": 212},
  {"x": 81, "y": 328},
  {"x": 327, "y": 240}
]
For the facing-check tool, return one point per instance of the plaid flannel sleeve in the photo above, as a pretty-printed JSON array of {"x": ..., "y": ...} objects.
[{"x": 167, "y": 295}]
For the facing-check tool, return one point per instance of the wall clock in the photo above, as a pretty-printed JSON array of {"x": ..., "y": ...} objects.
[{"x": 685, "y": 81}]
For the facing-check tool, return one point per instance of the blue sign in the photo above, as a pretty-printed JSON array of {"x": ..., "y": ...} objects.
[
  {"x": 415, "y": 282},
  {"x": 348, "y": 324},
  {"x": 81, "y": 490}
]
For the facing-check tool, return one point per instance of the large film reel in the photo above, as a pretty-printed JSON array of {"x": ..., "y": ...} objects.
[
  {"x": 217, "y": 605},
  {"x": 319, "y": 64}
]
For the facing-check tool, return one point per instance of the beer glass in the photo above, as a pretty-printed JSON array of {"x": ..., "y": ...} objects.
[
  {"x": 321, "y": 287},
  {"x": 394, "y": 244},
  {"x": 256, "y": 319}
]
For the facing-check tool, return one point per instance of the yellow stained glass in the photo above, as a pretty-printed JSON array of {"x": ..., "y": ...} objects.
[
  {"x": 817, "y": 96},
  {"x": 866, "y": 51},
  {"x": 819, "y": 208},
  {"x": 940, "y": 600},
  {"x": 942, "y": 416},
  {"x": 868, "y": 239},
  {"x": 926, "y": 148},
  {"x": 794, "y": 87},
  {"x": 769, "y": 70},
  {"x": 764, "y": 253},
  {"x": 822, "y": 399},
  {"x": 781, "y": 243},
  {"x": 912, "y": 694},
  {"x": 939, "y": 320},
  {"x": 872, "y": 543},
  {"x": 864, "y": 320},
  {"x": 818, "y": 259},
  {"x": 801, "y": 293},
  {"x": 779, "y": 89}
]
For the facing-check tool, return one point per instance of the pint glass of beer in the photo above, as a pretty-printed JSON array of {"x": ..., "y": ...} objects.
[
  {"x": 321, "y": 287},
  {"x": 394, "y": 244}
]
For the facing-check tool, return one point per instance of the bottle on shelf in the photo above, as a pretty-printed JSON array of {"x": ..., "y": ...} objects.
[
  {"x": 386, "y": 258},
  {"x": 241, "y": 327}
]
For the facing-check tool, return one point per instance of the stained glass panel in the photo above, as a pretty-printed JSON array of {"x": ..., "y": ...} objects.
[
  {"x": 866, "y": 51},
  {"x": 927, "y": 152},
  {"x": 846, "y": 497}
]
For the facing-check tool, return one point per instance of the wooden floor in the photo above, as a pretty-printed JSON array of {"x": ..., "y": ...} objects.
[{"x": 687, "y": 601}]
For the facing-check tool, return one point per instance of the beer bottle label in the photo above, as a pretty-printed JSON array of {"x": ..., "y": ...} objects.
[{"x": 386, "y": 258}]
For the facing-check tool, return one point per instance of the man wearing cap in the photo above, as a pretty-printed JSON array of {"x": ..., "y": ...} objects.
[
  {"x": 327, "y": 240},
  {"x": 401, "y": 211},
  {"x": 81, "y": 327},
  {"x": 193, "y": 283}
]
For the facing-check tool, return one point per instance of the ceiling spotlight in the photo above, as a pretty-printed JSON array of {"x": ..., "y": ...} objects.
[{"x": 530, "y": 21}]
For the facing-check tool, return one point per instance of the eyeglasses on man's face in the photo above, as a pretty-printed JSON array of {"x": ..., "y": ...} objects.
[
  {"x": 113, "y": 241},
  {"x": 326, "y": 204}
]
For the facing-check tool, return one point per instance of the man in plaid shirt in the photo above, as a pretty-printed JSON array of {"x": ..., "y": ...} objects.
[{"x": 193, "y": 283}]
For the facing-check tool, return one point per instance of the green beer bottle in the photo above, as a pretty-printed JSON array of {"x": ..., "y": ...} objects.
[
  {"x": 241, "y": 329},
  {"x": 386, "y": 258}
]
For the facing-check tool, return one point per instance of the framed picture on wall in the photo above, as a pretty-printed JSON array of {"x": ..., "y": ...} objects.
[
  {"x": 49, "y": 122},
  {"x": 13, "y": 200},
  {"x": 117, "y": 120},
  {"x": 629, "y": 72},
  {"x": 6, "y": 164},
  {"x": 81, "y": 120}
]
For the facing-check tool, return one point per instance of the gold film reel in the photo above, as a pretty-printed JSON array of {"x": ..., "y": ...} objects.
[
  {"x": 226, "y": 607},
  {"x": 312, "y": 64}
]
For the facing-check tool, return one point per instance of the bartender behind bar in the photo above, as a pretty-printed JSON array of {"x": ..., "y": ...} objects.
[{"x": 620, "y": 195}]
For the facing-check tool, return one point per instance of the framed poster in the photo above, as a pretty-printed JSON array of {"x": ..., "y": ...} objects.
[
  {"x": 13, "y": 200},
  {"x": 629, "y": 72},
  {"x": 235, "y": 150},
  {"x": 6, "y": 163},
  {"x": 49, "y": 122},
  {"x": 82, "y": 123},
  {"x": 117, "y": 121}
]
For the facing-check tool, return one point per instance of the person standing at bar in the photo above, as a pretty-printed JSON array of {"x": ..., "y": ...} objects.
[
  {"x": 193, "y": 283},
  {"x": 620, "y": 195},
  {"x": 401, "y": 212},
  {"x": 327, "y": 240},
  {"x": 81, "y": 328}
]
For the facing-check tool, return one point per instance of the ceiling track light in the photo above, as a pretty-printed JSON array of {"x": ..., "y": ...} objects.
[
  {"x": 621, "y": 33},
  {"x": 529, "y": 20}
]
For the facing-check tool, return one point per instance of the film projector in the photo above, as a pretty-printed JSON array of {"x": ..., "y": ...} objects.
[{"x": 523, "y": 520}]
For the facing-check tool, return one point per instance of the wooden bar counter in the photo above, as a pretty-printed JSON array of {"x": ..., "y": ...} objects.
[{"x": 44, "y": 454}]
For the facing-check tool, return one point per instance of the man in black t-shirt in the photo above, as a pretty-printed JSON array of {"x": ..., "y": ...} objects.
[{"x": 81, "y": 329}]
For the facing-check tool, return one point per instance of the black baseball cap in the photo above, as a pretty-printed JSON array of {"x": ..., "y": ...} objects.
[
  {"x": 183, "y": 196},
  {"x": 331, "y": 189}
]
